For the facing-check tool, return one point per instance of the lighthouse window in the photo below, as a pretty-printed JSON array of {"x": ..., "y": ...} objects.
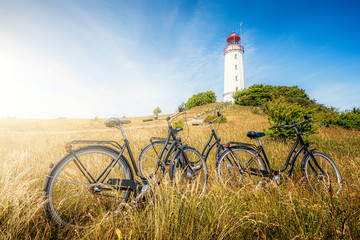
[
  {"x": 236, "y": 78},
  {"x": 235, "y": 67},
  {"x": 235, "y": 56},
  {"x": 236, "y": 88}
]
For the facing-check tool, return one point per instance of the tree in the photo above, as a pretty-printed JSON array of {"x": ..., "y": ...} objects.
[
  {"x": 182, "y": 107},
  {"x": 201, "y": 99},
  {"x": 156, "y": 111}
]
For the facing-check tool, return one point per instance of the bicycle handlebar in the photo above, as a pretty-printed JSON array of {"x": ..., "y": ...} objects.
[
  {"x": 148, "y": 120},
  {"x": 306, "y": 118},
  {"x": 164, "y": 118},
  {"x": 218, "y": 114}
]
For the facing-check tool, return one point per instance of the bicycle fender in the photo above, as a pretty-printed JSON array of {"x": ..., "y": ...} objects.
[
  {"x": 169, "y": 151},
  {"x": 309, "y": 152}
]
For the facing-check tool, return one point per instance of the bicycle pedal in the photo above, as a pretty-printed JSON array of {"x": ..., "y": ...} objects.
[
  {"x": 141, "y": 194},
  {"x": 276, "y": 180}
]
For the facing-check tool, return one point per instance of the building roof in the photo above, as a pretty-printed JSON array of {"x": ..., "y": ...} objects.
[{"x": 233, "y": 36}]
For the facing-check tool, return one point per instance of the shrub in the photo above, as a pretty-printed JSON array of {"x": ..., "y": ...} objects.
[
  {"x": 156, "y": 111},
  {"x": 201, "y": 99},
  {"x": 267, "y": 96},
  {"x": 326, "y": 116},
  {"x": 259, "y": 94},
  {"x": 255, "y": 95},
  {"x": 350, "y": 120},
  {"x": 178, "y": 124},
  {"x": 280, "y": 112}
]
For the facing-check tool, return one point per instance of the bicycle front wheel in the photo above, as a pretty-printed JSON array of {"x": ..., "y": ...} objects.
[
  {"x": 74, "y": 193},
  {"x": 322, "y": 174},
  {"x": 239, "y": 167},
  {"x": 188, "y": 171},
  {"x": 150, "y": 163}
]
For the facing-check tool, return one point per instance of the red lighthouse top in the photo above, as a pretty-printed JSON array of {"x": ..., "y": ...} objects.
[
  {"x": 233, "y": 37},
  {"x": 233, "y": 42}
]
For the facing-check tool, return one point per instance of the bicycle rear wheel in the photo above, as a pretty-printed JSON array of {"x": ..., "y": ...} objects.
[
  {"x": 239, "y": 167},
  {"x": 73, "y": 193},
  {"x": 322, "y": 174},
  {"x": 188, "y": 171}
]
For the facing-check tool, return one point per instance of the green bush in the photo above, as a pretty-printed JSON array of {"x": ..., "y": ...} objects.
[
  {"x": 201, "y": 99},
  {"x": 326, "y": 116},
  {"x": 178, "y": 124},
  {"x": 259, "y": 94},
  {"x": 350, "y": 120},
  {"x": 280, "y": 112},
  {"x": 267, "y": 96},
  {"x": 255, "y": 95},
  {"x": 331, "y": 117},
  {"x": 156, "y": 111}
]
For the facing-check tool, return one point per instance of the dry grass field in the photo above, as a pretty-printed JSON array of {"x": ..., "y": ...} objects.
[{"x": 290, "y": 211}]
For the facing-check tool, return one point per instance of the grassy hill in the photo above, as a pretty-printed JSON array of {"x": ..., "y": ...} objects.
[{"x": 27, "y": 147}]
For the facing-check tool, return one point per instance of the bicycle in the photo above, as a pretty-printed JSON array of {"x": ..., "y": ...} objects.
[
  {"x": 92, "y": 182},
  {"x": 241, "y": 161},
  {"x": 152, "y": 153},
  {"x": 184, "y": 162}
]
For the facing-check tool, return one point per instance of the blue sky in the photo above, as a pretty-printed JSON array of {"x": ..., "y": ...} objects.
[{"x": 82, "y": 59}]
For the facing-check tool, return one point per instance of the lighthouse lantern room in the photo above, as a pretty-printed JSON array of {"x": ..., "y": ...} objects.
[{"x": 234, "y": 79}]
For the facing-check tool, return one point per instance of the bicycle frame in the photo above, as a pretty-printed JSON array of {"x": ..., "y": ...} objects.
[
  {"x": 303, "y": 148},
  {"x": 121, "y": 184},
  {"x": 209, "y": 146}
]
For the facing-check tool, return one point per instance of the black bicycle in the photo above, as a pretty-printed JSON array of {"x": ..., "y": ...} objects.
[
  {"x": 242, "y": 164},
  {"x": 92, "y": 182},
  {"x": 185, "y": 163}
]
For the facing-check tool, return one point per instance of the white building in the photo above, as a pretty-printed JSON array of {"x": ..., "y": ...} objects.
[{"x": 234, "y": 79}]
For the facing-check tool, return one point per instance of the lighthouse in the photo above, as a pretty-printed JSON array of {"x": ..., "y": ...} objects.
[{"x": 234, "y": 79}]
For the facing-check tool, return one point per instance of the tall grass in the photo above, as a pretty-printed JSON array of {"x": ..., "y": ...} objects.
[{"x": 27, "y": 147}]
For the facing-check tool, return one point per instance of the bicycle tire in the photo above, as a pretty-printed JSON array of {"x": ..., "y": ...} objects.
[
  {"x": 69, "y": 196},
  {"x": 148, "y": 161},
  {"x": 239, "y": 167},
  {"x": 188, "y": 171},
  {"x": 321, "y": 182}
]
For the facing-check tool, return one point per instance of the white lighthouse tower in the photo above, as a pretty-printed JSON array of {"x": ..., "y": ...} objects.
[{"x": 234, "y": 79}]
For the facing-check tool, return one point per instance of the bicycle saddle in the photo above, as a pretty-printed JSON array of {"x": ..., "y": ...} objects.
[
  {"x": 114, "y": 122},
  {"x": 253, "y": 134}
]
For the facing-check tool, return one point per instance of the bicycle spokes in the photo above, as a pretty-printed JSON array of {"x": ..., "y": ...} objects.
[{"x": 322, "y": 174}]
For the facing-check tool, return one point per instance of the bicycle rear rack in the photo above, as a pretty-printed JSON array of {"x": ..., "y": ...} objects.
[
  {"x": 111, "y": 143},
  {"x": 249, "y": 145},
  {"x": 158, "y": 139}
]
